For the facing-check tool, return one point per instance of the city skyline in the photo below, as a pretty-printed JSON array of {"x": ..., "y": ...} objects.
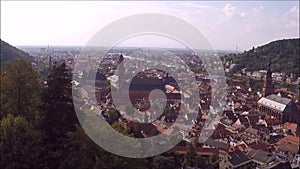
[{"x": 226, "y": 24}]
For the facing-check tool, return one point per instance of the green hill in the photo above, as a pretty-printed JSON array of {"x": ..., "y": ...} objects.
[
  {"x": 283, "y": 54},
  {"x": 9, "y": 53}
]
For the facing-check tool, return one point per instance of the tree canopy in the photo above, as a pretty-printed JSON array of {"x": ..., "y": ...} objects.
[
  {"x": 283, "y": 54},
  {"x": 20, "y": 90}
]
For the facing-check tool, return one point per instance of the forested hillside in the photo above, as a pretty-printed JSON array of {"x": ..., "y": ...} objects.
[
  {"x": 283, "y": 54},
  {"x": 9, "y": 53}
]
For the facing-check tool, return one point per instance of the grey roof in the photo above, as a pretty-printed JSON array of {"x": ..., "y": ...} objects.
[
  {"x": 277, "y": 165},
  {"x": 281, "y": 104},
  {"x": 238, "y": 158},
  {"x": 275, "y": 102},
  {"x": 282, "y": 100},
  {"x": 261, "y": 156}
]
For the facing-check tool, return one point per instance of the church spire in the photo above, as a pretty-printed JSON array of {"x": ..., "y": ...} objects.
[
  {"x": 269, "y": 73},
  {"x": 50, "y": 63},
  {"x": 121, "y": 69},
  {"x": 268, "y": 85}
]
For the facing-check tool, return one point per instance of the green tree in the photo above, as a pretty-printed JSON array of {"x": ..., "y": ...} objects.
[
  {"x": 20, "y": 90},
  {"x": 283, "y": 54},
  {"x": 58, "y": 116},
  {"x": 20, "y": 144},
  {"x": 83, "y": 153}
]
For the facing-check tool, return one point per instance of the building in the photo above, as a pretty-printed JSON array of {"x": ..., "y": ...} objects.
[
  {"x": 268, "y": 85},
  {"x": 289, "y": 144},
  {"x": 121, "y": 77},
  {"x": 216, "y": 144},
  {"x": 281, "y": 108},
  {"x": 250, "y": 134},
  {"x": 221, "y": 146},
  {"x": 236, "y": 159},
  {"x": 279, "y": 164},
  {"x": 260, "y": 157}
]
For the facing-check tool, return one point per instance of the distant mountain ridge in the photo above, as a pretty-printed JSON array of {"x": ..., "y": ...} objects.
[
  {"x": 283, "y": 54},
  {"x": 9, "y": 53}
]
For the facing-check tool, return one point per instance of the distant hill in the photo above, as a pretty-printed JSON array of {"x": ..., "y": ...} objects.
[
  {"x": 283, "y": 54},
  {"x": 9, "y": 53}
]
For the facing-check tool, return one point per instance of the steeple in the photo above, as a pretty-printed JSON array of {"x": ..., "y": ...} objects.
[
  {"x": 269, "y": 73},
  {"x": 121, "y": 69},
  {"x": 268, "y": 85},
  {"x": 121, "y": 58},
  {"x": 50, "y": 62}
]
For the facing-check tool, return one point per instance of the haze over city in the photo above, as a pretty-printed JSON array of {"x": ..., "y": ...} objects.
[{"x": 225, "y": 24}]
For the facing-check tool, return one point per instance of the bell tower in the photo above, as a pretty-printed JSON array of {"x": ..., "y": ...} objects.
[
  {"x": 268, "y": 85},
  {"x": 121, "y": 73}
]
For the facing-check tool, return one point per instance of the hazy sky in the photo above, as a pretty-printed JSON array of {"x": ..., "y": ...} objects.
[{"x": 225, "y": 24}]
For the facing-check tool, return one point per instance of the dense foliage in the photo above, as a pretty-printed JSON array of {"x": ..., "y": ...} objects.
[
  {"x": 20, "y": 90},
  {"x": 283, "y": 54}
]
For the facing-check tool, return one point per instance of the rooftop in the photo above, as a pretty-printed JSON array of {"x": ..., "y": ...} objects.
[
  {"x": 290, "y": 139},
  {"x": 238, "y": 158},
  {"x": 261, "y": 156},
  {"x": 279, "y": 99},
  {"x": 275, "y": 102},
  {"x": 217, "y": 144}
]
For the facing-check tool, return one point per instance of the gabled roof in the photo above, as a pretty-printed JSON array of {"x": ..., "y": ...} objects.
[
  {"x": 261, "y": 156},
  {"x": 279, "y": 99},
  {"x": 275, "y": 102},
  {"x": 238, "y": 158}
]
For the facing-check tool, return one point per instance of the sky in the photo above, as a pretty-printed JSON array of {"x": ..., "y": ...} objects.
[{"x": 226, "y": 24}]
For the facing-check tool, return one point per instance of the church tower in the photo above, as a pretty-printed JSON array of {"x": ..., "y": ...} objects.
[
  {"x": 121, "y": 73},
  {"x": 50, "y": 63},
  {"x": 268, "y": 85}
]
